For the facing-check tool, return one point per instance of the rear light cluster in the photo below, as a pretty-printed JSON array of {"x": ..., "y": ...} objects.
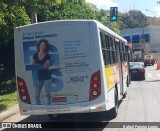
[
  {"x": 141, "y": 70},
  {"x": 95, "y": 86},
  {"x": 23, "y": 92}
]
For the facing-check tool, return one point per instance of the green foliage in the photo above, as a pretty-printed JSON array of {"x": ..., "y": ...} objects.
[
  {"x": 8, "y": 93},
  {"x": 68, "y": 9},
  {"x": 8, "y": 100},
  {"x": 10, "y": 17},
  {"x": 76, "y": 9},
  {"x": 134, "y": 18},
  {"x": 7, "y": 86}
]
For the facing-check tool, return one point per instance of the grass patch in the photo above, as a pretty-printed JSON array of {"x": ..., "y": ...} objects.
[
  {"x": 8, "y": 93},
  {"x": 8, "y": 100},
  {"x": 7, "y": 86}
]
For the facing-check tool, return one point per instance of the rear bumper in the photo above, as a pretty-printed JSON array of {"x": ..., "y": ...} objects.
[
  {"x": 138, "y": 76},
  {"x": 82, "y": 107},
  {"x": 149, "y": 63}
]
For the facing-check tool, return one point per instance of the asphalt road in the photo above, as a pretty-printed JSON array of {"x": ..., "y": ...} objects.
[{"x": 137, "y": 110}]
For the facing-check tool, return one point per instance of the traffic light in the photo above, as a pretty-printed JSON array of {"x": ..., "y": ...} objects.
[{"x": 113, "y": 13}]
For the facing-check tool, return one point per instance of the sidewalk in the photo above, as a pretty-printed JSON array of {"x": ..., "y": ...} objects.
[{"x": 9, "y": 112}]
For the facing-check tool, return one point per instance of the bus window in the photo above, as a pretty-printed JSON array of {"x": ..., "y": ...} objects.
[
  {"x": 103, "y": 45},
  {"x": 103, "y": 40},
  {"x": 121, "y": 51},
  {"x": 114, "y": 51}
]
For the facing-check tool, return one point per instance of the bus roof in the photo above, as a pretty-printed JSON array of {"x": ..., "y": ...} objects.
[{"x": 100, "y": 25}]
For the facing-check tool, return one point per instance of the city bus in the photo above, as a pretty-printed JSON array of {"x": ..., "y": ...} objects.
[{"x": 70, "y": 66}]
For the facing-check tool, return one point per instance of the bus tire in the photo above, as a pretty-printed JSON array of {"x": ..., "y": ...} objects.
[{"x": 114, "y": 111}]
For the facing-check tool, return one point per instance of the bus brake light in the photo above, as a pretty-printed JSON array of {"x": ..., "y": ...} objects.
[
  {"x": 23, "y": 91},
  {"x": 95, "y": 86}
]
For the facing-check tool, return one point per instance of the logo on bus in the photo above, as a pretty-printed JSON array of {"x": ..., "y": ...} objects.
[{"x": 75, "y": 79}]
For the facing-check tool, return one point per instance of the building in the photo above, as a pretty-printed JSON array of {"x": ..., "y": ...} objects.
[{"x": 144, "y": 40}]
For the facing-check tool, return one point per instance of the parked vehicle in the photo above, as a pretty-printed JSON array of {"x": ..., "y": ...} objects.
[
  {"x": 148, "y": 60},
  {"x": 137, "y": 70}
]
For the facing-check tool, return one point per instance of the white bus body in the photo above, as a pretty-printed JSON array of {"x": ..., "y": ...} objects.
[{"x": 80, "y": 85}]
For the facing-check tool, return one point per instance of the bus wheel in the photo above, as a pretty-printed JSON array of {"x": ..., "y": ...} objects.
[
  {"x": 53, "y": 116},
  {"x": 114, "y": 111}
]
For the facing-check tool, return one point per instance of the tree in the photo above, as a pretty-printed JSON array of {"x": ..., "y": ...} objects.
[
  {"x": 33, "y": 6},
  {"x": 68, "y": 9},
  {"x": 77, "y": 9},
  {"x": 11, "y": 16},
  {"x": 134, "y": 18},
  {"x": 153, "y": 21}
]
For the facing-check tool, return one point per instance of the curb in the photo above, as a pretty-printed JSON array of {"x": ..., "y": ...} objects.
[{"x": 11, "y": 111}]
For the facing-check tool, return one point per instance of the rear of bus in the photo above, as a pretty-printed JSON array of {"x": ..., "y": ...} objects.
[{"x": 75, "y": 68}]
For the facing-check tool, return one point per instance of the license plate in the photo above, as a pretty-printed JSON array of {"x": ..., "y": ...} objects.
[
  {"x": 134, "y": 71},
  {"x": 59, "y": 99}
]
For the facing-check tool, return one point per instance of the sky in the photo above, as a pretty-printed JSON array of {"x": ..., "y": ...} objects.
[{"x": 125, "y": 5}]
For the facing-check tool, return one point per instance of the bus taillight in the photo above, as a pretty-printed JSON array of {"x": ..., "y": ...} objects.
[
  {"x": 23, "y": 92},
  {"x": 95, "y": 86}
]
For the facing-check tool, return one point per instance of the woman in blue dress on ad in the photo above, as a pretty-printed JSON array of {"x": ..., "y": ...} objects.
[{"x": 43, "y": 60}]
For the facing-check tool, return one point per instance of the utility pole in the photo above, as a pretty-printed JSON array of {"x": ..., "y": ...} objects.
[
  {"x": 142, "y": 44},
  {"x": 34, "y": 18}
]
